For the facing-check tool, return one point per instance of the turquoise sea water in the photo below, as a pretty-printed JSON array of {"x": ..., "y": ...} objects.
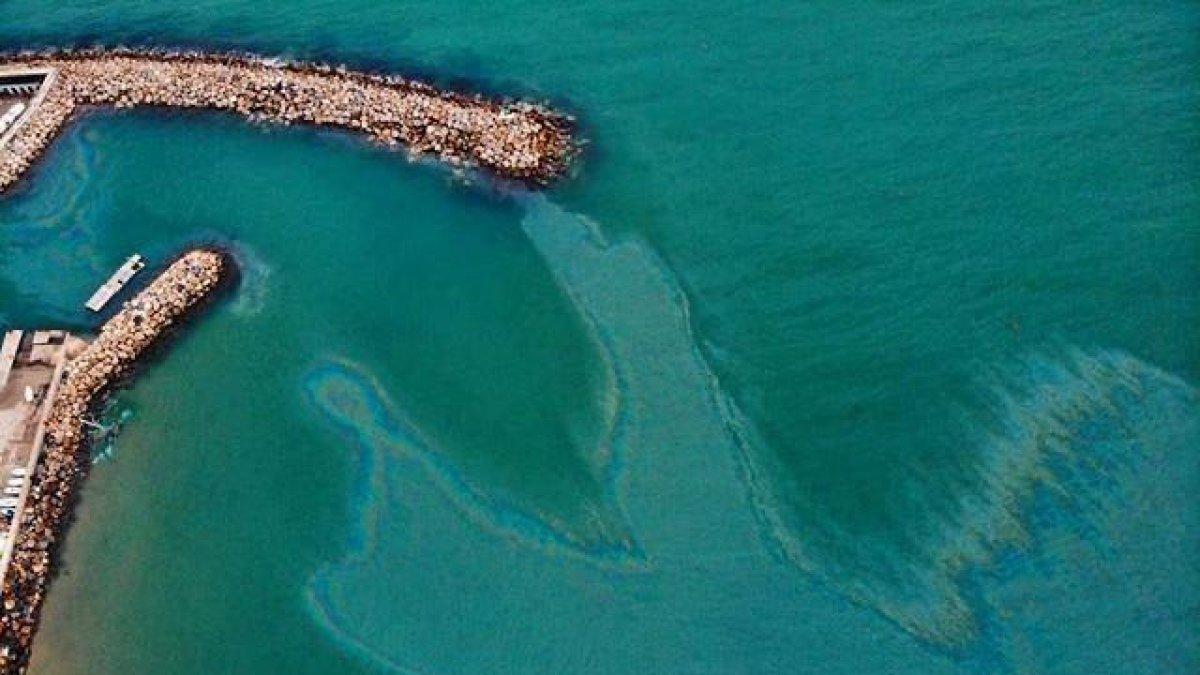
[{"x": 862, "y": 341}]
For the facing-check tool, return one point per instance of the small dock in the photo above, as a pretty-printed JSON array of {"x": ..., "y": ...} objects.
[{"x": 115, "y": 283}]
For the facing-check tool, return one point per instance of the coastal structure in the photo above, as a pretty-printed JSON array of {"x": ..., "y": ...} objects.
[
  {"x": 516, "y": 141},
  {"x": 115, "y": 283},
  {"x": 30, "y": 364},
  {"x": 56, "y": 459},
  {"x": 21, "y": 91},
  {"x": 50, "y": 381}
]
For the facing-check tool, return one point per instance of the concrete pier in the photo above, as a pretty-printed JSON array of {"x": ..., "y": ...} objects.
[
  {"x": 22, "y": 90},
  {"x": 24, "y": 403},
  {"x": 115, "y": 283},
  {"x": 516, "y": 141},
  {"x": 60, "y": 461}
]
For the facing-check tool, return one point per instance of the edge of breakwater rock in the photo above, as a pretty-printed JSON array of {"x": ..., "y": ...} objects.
[{"x": 184, "y": 288}]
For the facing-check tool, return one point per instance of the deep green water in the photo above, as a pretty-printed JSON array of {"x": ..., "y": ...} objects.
[{"x": 863, "y": 341}]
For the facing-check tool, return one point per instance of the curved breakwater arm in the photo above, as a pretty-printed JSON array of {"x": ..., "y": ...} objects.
[{"x": 516, "y": 141}]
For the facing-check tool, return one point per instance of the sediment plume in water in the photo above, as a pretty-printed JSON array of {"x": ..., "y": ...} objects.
[
  {"x": 513, "y": 140},
  {"x": 123, "y": 341}
]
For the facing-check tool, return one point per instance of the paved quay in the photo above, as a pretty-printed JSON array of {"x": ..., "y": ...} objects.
[
  {"x": 35, "y": 364},
  {"x": 513, "y": 140},
  {"x": 80, "y": 375}
]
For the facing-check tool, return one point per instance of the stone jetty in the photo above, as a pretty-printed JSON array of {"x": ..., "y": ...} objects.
[
  {"x": 513, "y": 140},
  {"x": 64, "y": 458}
]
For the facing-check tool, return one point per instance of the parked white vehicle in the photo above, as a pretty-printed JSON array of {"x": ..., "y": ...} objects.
[
  {"x": 16, "y": 482},
  {"x": 14, "y": 491},
  {"x": 20, "y": 472},
  {"x": 9, "y": 503}
]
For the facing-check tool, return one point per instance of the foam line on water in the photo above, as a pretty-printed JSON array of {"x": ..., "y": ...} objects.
[
  {"x": 1042, "y": 395},
  {"x": 641, "y": 309},
  {"x": 356, "y": 402},
  {"x": 1032, "y": 438},
  {"x": 673, "y": 473},
  {"x": 254, "y": 285},
  {"x": 323, "y": 609},
  {"x": 687, "y": 471},
  {"x": 431, "y": 587},
  {"x": 607, "y": 458}
]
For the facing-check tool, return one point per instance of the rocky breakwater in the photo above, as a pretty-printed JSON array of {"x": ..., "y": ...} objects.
[
  {"x": 516, "y": 141},
  {"x": 64, "y": 459}
]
